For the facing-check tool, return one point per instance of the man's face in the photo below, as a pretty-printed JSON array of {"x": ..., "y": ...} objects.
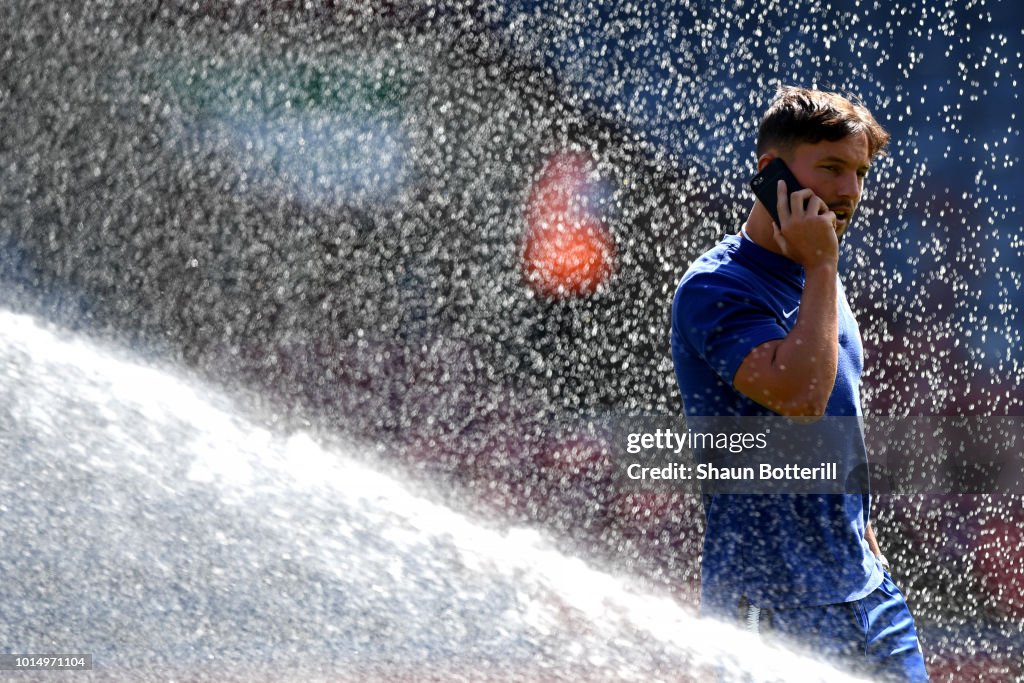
[{"x": 834, "y": 171}]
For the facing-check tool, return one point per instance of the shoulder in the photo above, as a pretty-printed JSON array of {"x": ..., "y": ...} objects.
[
  {"x": 718, "y": 295},
  {"x": 714, "y": 274}
]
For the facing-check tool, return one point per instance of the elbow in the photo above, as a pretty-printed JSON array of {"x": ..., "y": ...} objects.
[
  {"x": 792, "y": 391},
  {"x": 809, "y": 402},
  {"x": 804, "y": 411},
  {"x": 800, "y": 407},
  {"x": 806, "y": 416}
]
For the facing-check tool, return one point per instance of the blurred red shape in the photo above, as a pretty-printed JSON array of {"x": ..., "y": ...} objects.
[{"x": 568, "y": 249}]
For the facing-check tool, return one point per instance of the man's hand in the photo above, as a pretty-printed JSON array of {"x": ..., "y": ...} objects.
[{"x": 808, "y": 231}]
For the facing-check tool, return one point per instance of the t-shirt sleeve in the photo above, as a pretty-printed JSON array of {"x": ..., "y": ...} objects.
[{"x": 723, "y": 321}]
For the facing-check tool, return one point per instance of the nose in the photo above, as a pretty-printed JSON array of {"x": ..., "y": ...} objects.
[{"x": 849, "y": 187}]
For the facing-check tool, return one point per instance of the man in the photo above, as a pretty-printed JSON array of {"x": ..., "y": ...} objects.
[{"x": 761, "y": 327}]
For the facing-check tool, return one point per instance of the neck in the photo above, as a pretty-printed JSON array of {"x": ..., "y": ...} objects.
[{"x": 759, "y": 228}]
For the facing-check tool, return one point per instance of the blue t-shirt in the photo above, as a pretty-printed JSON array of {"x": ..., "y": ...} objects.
[{"x": 777, "y": 550}]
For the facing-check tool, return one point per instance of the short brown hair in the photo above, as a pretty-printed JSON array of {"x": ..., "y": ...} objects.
[{"x": 800, "y": 115}]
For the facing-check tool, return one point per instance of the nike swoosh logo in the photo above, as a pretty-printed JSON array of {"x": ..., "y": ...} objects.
[{"x": 790, "y": 314}]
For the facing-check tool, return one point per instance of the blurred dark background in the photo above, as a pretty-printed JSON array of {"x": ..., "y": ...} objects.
[{"x": 455, "y": 229}]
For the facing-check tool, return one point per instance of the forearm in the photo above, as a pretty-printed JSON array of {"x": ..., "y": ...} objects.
[
  {"x": 794, "y": 376},
  {"x": 806, "y": 360}
]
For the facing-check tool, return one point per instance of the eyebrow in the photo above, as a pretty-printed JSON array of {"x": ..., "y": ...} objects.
[{"x": 843, "y": 161}]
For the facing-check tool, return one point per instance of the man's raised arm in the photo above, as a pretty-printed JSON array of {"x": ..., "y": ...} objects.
[{"x": 794, "y": 376}]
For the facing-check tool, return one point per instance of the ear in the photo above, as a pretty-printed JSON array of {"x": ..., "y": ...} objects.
[{"x": 765, "y": 159}]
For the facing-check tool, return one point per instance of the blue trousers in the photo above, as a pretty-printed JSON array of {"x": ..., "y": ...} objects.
[{"x": 874, "y": 636}]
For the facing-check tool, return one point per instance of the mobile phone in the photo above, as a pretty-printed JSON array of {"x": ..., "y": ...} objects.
[{"x": 765, "y": 185}]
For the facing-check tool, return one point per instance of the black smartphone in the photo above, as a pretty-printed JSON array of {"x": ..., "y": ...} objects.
[{"x": 765, "y": 185}]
